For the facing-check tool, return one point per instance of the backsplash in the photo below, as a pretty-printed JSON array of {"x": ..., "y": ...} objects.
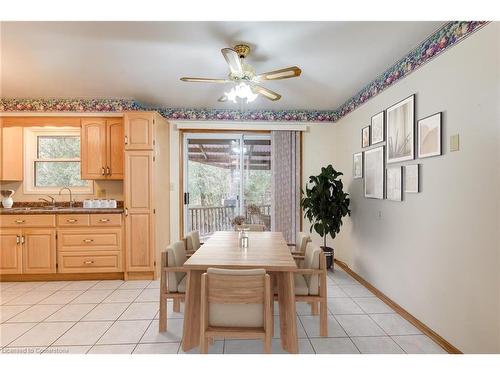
[{"x": 113, "y": 190}]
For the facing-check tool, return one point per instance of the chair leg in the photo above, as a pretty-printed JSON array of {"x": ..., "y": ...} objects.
[
  {"x": 204, "y": 344},
  {"x": 163, "y": 314},
  {"x": 268, "y": 343},
  {"x": 323, "y": 319},
  {"x": 314, "y": 308},
  {"x": 177, "y": 305}
]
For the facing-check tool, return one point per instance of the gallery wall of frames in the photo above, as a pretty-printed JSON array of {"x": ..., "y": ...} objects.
[{"x": 394, "y": 137}]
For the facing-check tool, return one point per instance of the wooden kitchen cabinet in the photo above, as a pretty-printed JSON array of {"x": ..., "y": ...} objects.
[
  {"x": 27, "y": 251},
  {"x": 39, "y": 251},
  {"x": 114, "y": 149},
  {"x": 102, "y": 143},
  {"x": 11, "y": 153},
  {"x": 10, "y": 252},
  {"x": 147, "y": 191},
  {"x": 139, "y": 130}
]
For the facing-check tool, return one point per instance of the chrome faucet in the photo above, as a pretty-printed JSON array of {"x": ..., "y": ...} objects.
[
  {"x": 71, "y": 202},
  {"x": 52, "y": 202}
]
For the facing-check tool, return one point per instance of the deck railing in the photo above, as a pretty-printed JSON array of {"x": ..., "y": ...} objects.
[{"x": 210, "y": 219}]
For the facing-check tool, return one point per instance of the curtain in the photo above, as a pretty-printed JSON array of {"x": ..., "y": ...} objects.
[{"x": 285, "y": 167}]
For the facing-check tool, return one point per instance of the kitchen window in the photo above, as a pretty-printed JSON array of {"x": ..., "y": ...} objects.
[{"x": 52, "y": 160}]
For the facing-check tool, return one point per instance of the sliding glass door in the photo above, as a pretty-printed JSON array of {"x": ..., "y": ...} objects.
[{"x": 227, "y": 178}]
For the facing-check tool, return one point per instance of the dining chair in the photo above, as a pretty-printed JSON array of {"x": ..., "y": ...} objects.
[
  {"x": 301, "y": 241},
  {"x": 251, "y": 227},
  {"x": 311, "y": 285},
  {"x": 192, "y": 241},
  {"x": 236, "y": 304},
  {"x": 172, "y": 280}
]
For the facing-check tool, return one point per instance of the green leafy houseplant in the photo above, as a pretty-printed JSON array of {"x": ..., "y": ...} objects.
[{"x": 325, "y": 203}]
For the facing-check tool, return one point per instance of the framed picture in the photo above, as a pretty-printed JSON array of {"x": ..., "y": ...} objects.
[
  {"x": 357, "y": 165},
  {"x": 377, "y": 130},
  {"x": 429, "y": 136},
  {"x": 365, "y": 136},
  {"x": 394, "y": 183},
  {"x": 374, "y": 173},
  {"x": 411, "y": 178},
  {"x": 400, "y": 126}
]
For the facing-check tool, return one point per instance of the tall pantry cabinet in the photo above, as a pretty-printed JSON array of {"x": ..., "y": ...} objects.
[{"x": 147, "y": 192}]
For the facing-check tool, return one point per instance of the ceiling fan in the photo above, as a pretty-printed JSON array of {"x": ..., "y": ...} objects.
[{"x": 246, "y": 81}]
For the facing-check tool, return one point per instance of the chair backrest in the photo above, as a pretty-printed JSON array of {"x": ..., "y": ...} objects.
[
  {"x": 236, "y": 297},
  {"x": 301, "y": 242},
  {"x": 176, "y": 257},
  {"x": 251, "y": 227},
  {"x": 311, "y": 261},
  {"x": 193, "y": 241}
]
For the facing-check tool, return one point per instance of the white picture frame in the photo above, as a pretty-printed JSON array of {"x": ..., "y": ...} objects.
[
  {"x": 365, "y": 136},
  {"x": 429, "y": 136},
  {"x": 411, "y": 178},
  {"x": 357, "y": 165},
  {"x": 394, "y": 183},
  {"x": 378, "y": 127},
  {"x": 373, "y": 186},
  {"x": 400, "y": 131}
]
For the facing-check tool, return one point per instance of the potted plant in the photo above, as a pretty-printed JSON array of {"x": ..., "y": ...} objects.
[{"x": 325, "y": 204}]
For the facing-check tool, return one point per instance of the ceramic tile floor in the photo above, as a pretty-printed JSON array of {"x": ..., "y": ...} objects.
[{"x": 122, "y": 317}]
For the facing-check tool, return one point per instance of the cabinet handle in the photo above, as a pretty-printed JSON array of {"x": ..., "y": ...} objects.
[
  {"x": 22, "y": 239},
  {"x": 103, "y": 220},
  {"x": 126, "y": 211},
  {"x": 18, "y": 240},
  {"x": 108, "y": 171},
  {"x": 103, "y": 171},
  {"x": 126, "y": 140},
  {"x": 88, "y": 262},
  {"x": 71, "y": 220},
  {"x": 88, "y": 241},
  {"x": 20, "y": 221}
]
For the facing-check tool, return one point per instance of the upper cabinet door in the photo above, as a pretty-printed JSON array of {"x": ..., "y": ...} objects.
[
  {"x": 139, "y": 130},
  {"x": 93, "y": 149},
  {"x": 115, "y": 153},
  {"x": 11, "y": 153}
]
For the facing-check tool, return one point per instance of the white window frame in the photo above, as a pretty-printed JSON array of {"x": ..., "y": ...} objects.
[{"x": 30, "y": 157}]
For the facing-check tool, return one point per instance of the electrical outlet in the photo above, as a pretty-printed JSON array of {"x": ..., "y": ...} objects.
[
  {"x": 380, "y": 214},
  {"x": 454, "y": 142},
  {"x": 172, "y": 186}
]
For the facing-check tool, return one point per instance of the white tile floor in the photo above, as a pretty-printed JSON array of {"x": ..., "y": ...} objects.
[{"x": 122, "y": 317}]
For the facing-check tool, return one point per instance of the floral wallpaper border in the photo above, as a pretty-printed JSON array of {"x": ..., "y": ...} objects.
[{"x": 444, "y": 38}]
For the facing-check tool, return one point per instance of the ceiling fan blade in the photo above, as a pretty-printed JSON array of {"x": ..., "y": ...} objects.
[
  {"x": 233, "y": 60},
  {"x": 293, "y": 71},
  {"x": 269, "y": 94},
  {"x": 205, "y": 80}
]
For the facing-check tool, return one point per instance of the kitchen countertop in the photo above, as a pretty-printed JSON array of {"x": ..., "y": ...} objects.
[{"x": 58, "y": 210}]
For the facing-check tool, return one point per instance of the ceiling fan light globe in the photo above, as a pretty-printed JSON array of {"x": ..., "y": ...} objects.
[{"x": 243, "y": 92}]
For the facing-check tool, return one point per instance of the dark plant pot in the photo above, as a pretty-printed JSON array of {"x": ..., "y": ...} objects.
[{"x": 328, "y": 251}]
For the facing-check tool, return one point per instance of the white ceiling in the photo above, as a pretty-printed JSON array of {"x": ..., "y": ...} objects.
[{"x": 144, "y": 60}]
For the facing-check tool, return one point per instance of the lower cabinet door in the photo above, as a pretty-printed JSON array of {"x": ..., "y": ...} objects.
[
  {"x": 39, "y": 250},
  {"x": 139, "y": 242},
  {"x": 11, "y": 254}
]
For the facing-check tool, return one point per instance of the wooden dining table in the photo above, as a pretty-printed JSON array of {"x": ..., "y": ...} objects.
[{"x": 267, "y": 250}]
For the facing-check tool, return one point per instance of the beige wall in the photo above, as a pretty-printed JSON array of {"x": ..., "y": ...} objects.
[{"x": 437, "y": 253}]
